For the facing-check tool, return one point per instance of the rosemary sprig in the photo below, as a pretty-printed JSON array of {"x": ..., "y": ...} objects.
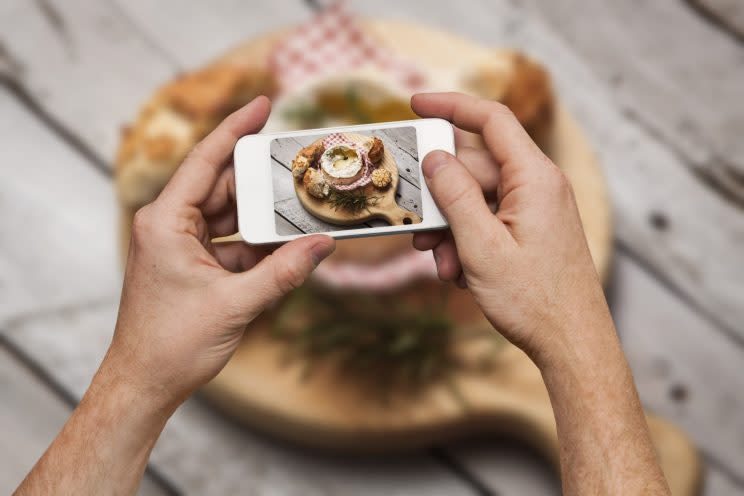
[
  {"x": 380, "y": 339},
  {"x": 352, "y": 201}
]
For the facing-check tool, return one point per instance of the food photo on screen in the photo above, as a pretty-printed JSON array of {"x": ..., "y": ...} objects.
[{"x": 347, "y": 180}]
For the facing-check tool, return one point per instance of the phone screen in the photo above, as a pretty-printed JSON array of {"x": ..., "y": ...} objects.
[{"x": 346, "y": 180}]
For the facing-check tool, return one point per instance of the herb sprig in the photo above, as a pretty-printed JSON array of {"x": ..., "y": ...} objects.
[
  {"x": 380, "y": 339},
  {"x": 352, "y": 201}
]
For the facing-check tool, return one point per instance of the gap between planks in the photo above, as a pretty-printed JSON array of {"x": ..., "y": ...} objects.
[
  {"x": 671, "y": 286},
  {"x": 69, "y": 399},
  {"x": 716, "y": 13},
  {"x": 59, "y": 129}
]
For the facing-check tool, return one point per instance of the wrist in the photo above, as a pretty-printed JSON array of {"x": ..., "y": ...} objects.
[
  {"x": 138, "y": 403},
  {"x": 578, "y": 340}
]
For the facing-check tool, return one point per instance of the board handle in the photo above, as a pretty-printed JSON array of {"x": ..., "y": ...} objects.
[{"x": 398, "y": 216}]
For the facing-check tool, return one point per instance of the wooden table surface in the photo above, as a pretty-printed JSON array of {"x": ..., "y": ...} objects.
[{"x": 658, "y": 86}]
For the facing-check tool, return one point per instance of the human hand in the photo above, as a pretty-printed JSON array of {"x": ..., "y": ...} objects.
[
  {"x": 186, "y": 300},
  {"x": 528, "y": 264}
]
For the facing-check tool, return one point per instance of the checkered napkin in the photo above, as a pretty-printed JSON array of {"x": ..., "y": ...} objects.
[
  {"x": 332, "y": 42},
  {"x": 336, "y": 139},
  {"x": 328, "y": 44},
  {"x": 388, "y": 274}
]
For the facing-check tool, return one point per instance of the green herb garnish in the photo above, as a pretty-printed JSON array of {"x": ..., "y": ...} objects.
[
  {"x": 352, "y": 201},
  {"x": 379, "y": 338}
]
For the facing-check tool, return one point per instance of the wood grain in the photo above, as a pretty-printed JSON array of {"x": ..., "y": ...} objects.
[
  {"x": 679, "y": 369},
  {"x": 682, "y": 248},
  {"x": 670, "y": 70},
  {"x": 201, "y": 452},
  {"x": 726, "y": 14},
  {"x": 59, "y": 220},
  {"x": 641, "y": 189},
  {"x": 59, "y": 303},
  {"x": 388, "y": 200},
  {"x": 32, "y": 415},
  {"x": 697, "y": 257},
  {"x": 94, "y": 68}
]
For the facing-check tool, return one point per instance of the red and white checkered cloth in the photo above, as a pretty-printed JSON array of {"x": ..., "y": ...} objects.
[
  {"x": 328, "y": 44},
  {"x": 401, "y": 269},
  {"x": 336, "y": 139},
  {"x": 332, "y": 42}
]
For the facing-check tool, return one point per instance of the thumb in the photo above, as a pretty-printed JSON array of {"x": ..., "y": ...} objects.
[
  {"x": 278, "y": 273},
  {"x": 458, "y": 196}
]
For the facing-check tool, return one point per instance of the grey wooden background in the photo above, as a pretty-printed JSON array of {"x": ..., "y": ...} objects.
[
  {"x": 659, "y": 87},
  {"x": 292, "y": 218}
]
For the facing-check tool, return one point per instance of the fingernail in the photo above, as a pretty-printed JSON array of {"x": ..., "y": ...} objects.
[
  {"x": 320, "y": 251},
  {"x": 435, "y": 161}
]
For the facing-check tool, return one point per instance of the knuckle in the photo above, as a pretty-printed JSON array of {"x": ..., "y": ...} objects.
[
  {"x": 196, "y": 154},
  {"x": 560, "y": 181},
  {"x": 142, "y": 224},
  {"x": 500, "y": 115},
  {"x": 552, "y": 179},
  {"x": 457, "y": 195},
  {"x": 288, "y": 276},
  {"x": 498, "y": 108}
]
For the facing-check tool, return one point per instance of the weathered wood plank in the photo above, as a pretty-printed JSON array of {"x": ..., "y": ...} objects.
[
  {"x": 719, "y": 484},
  {"x": 507, "y": 468},
  {"x": 284, "y": 226},
  {"x": 193, "y": 33},
  {"x": 695, "y": 256},
  {"x": 671, "y": 70},
  {"x": 83, "y": 63},
  {"x": 283, "y": 152},
  {"x": 697, "y": 251},
  {"x": 691, "y": 245},
  {"x": 59, "y": 307},
  {"x": 201, "y": 452},
  {"x": 404, "y": 150},
  {"x": 59, "y": 223},
  {"x": 288, "y": 205},
  {"x": 31, "y": 415},
  {"x": 684, "y": 369},
  {"x": 726, "y": 13}
]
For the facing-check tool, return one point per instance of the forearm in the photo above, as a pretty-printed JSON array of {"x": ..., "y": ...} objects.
[
  {"x": 605, "y": 444},
  {"x": 104, "y": 446}
]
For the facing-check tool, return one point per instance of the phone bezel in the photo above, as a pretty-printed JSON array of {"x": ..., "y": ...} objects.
[{"x": 255, "y": 192}]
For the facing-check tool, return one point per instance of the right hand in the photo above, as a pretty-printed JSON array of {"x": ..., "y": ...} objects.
[{"x": 528, "y": 264}]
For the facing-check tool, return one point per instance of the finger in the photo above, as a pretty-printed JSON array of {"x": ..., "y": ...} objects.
[
  {"x": 196, "y": 177},
  {"x": 277, "y": 274},
  {"x": 481, "y": 164},
  {"x": 222, "y": 197},
  {"x": 459, "y": 197},
  {"x": 239, "y": 256},
  {"x": 447, "y": 259},
  {"x": 465, "y": 138},
  {"x": 502, "y": 132},
  {"x": 426, "y": 240}
]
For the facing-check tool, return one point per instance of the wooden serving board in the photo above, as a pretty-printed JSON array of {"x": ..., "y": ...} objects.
[
  {"x": 385, "y": 207},
  {"x": 333, "y": 411}
]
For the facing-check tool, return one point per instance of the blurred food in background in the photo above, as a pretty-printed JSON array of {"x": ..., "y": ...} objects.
[{"x": 313, "y": 368}]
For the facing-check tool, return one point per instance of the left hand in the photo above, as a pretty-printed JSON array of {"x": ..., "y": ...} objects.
[{"x": 186, "y": 301}]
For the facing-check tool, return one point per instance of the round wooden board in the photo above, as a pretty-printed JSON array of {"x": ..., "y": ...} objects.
[
  {"x": 330, "y": 410},
  {"x": 385, "y": 206}
]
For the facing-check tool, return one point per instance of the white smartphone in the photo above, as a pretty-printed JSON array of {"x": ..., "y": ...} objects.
[{"x": 346, "y": 181}]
